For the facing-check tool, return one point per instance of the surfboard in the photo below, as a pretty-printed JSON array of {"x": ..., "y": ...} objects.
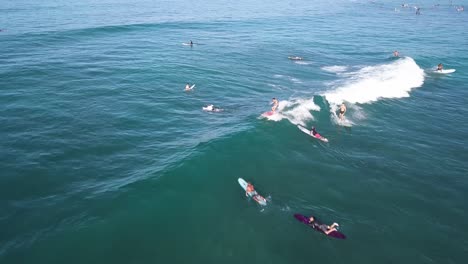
[
  {"x": 269, "y": 113},
  {"x": 445, "y": 71},
  {"x": 257, "y": 197},
  {"x": 305, "y": 130},
  {"x": 187, "y": 44},
  {"x": 304, "y": 219}
]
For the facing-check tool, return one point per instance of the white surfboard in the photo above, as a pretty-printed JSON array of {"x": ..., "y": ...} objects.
[
  {"x": 308, "y": 132},
  {"x": 445, "y": 71},
  {"x": 257, "y": 197}
]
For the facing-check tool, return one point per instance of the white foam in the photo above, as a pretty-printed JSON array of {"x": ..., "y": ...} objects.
[
  {"x": 297, "y": 111},
  {"x": 302, "y": 62},
  {"x": 372, "y": 83},
  {"x": 335, "y": 68}
]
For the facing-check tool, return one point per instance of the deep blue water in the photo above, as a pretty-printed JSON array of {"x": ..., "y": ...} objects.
[{"x": 105, "y": 159}]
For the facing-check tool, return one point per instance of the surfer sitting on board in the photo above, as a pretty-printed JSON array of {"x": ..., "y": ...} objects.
[
  {"x": 342, "y": 111},
  {"x": 440, "y": 67},
  {"x": 322, "y": 227},
  {"x": 275, "y": 103}
]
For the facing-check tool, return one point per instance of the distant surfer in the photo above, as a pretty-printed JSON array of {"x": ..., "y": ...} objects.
[
  {"x": 295, "y": 58},
  {"x": 188, "y": 87},
  {"x": 275, "y": 103},
  {"x": 342, "y": 111},
  {"x": 191, "y": 43},
  {"x": 418, "y": 10},
  {"x": 314, "y": 223},
  {"x": 440, "y": 67},
  {"x": 212, "y": 108},
  {"x": 396, "y": 53}
]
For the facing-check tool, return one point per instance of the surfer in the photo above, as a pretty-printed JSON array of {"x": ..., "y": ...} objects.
[
  {"x": 295, "y": 58},
  {"x": 187, "y": 87},
  {"x": 342, "y": 111},
  {"x": 418, "y": 10},
  {"x": 212, "y": 108},
  {"x": 440, "y": 67},
  {"x": 314, "y": 133},
  {"x": 191, "y": 43},
  {"x": 250, "y": 189},
  {"x": 322, "y": 227},
  {"x": 396, "y": 53},
  {"x": 275, "y": 103}
]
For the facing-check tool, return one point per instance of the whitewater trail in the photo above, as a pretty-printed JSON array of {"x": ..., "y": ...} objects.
[{"x": 366, "y": 85}]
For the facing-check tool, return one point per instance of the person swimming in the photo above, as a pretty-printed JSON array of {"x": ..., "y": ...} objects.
[
  {"x": 275, "y": 103},
  {"x": 396, "y": 53},
  {"x": 342, "y": 111}
]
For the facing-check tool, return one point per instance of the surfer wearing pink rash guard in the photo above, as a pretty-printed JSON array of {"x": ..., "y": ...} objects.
[
  {"x": 314, "y": 223},
  {"x": 315, "y": 133}
]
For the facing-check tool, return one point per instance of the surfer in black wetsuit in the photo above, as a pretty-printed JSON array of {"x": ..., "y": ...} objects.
[
  {"x": 315, "y": 224},
  {"x": 440, "y": 67}
]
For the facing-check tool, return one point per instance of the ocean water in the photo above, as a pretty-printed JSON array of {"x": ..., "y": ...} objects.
[{"x": 105, "y": 159}]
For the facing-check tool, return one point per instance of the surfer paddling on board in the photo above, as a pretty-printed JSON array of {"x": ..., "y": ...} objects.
[
  {"x": 440, "y": 67},
  {"x": 275, "y": 103},
  {"x": 212, "y": 108},
  {"x": 314, "y": 223},
  {"x": 342, "y": 111},
  {"x": 314, "y": 133},
  {"x": 251, "y": 191}
]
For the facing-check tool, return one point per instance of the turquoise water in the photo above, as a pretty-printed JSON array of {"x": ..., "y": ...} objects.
[{"x": 105, "y": 159}]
